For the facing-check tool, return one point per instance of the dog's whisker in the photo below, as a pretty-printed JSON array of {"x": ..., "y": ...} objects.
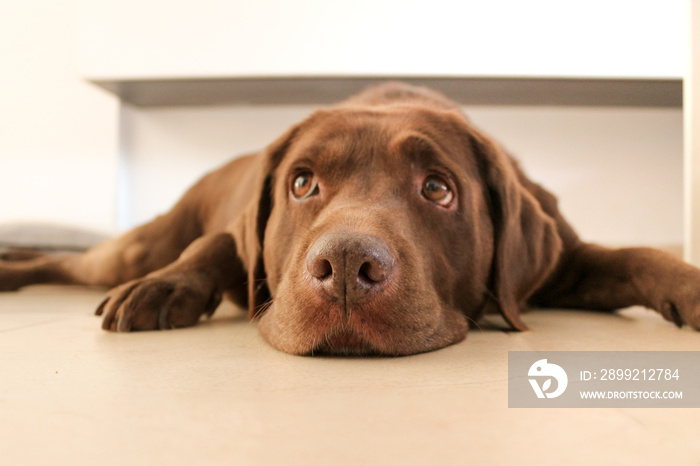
[
  {"x": 262, "y": 309},
  {"x": 475, "y": 322}
]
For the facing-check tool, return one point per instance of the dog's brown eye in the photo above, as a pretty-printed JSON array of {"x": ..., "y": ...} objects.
[
  {"x": 437, "y": 190},
  {"x": 304, "y": 185}
]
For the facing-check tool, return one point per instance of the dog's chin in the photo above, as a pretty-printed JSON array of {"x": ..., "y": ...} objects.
[
  {"x": 344, "y": 343},
  {"x": 321, "y": 329}
]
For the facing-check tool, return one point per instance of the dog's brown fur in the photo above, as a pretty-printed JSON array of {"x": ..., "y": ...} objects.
[{"x": 367, "y": 263}]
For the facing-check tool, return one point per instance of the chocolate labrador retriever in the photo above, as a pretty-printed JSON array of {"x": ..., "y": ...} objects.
[{"x": 382, "y": 225}]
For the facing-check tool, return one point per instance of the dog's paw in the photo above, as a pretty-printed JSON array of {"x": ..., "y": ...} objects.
[
  {"x": 681, "y": 315},
  {"x": 158, "y": 303},
  {"x": 670, "y": 312},
  {"x": 682, "y": 305}
]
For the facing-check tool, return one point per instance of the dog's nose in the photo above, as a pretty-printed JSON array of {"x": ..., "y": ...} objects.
[{"x": 349, "y": 266}]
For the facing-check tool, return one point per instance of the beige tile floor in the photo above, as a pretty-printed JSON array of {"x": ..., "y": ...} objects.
[{"x": 72, "y": 394}]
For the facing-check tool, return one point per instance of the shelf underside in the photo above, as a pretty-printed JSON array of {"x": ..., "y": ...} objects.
[{"x": 467, "y": 91}]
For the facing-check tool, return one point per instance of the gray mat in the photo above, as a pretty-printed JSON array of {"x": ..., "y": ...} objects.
[{"x": 48, "y": 236}]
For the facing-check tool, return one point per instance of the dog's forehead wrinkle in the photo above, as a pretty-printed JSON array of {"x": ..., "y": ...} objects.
[
  {"x": 350, "y": 129},
  {"x": 345, "y": 151}
]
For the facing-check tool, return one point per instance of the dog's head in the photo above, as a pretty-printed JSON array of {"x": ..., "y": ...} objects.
[{"x": 386, "y": 230}]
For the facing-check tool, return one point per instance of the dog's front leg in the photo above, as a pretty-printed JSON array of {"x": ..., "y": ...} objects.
[
  {"x": 178, "y": 294},
  {"x": 594, "y": 277}
]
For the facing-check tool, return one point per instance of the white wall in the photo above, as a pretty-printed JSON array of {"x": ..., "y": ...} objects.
[
  {"x": 58, "y": 134},
  {"x": 691, "y": 107},
  {"x": 617, "y": 172},
  {"x": 138, "y": 39}
]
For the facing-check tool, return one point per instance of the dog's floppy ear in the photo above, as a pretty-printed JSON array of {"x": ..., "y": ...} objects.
[
  {"x": 249, "y": 229},
  {"x": 526, "y": 244}
]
